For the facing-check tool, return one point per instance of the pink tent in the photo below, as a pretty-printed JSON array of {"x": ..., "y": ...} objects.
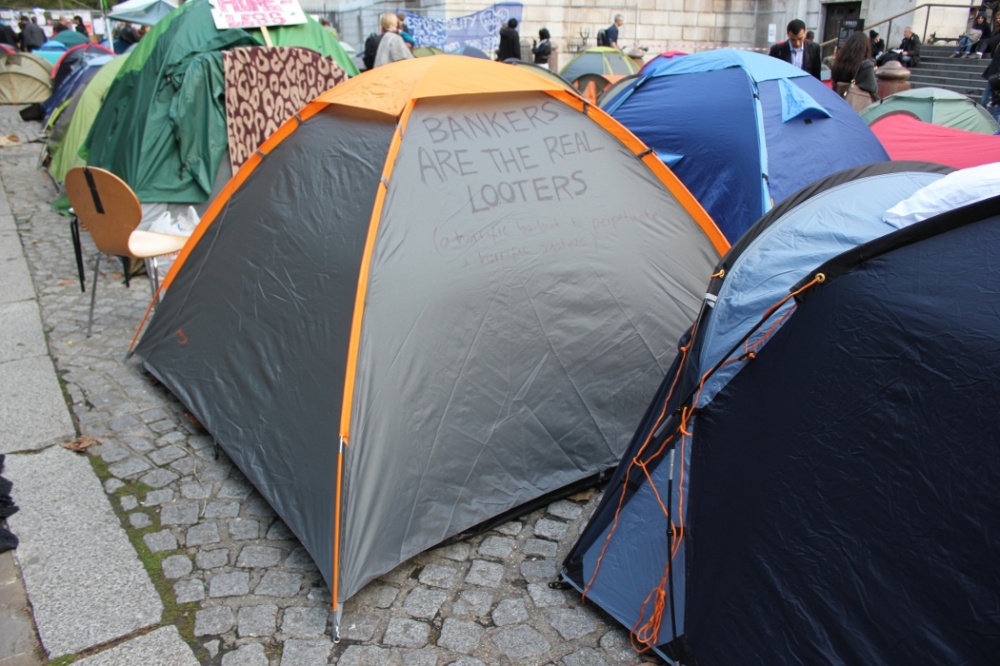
[
  {"x": 907, "y": 138},
  {"x": 665, "y": 54}
]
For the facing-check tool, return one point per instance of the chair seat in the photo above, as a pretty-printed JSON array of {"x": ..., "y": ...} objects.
[{"x": 144, "y": 244}]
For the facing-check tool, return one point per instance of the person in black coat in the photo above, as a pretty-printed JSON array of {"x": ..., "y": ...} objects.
[
  {"x": 542, "y": 48},
  {"x": 878, "y": 44},
  {"x": 797, "y": 51},
  {"x": 510, "y": 42},
  {"x": 79, "y": 26},
  {"x": 910, "y": 48},
  {"x": 992, "y": 69},
  {"x": 31, "y": 35},
  {"x": 7, "y": 34}
]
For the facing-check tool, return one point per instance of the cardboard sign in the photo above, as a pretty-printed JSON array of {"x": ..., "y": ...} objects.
[{"x": 256, "y": 13}]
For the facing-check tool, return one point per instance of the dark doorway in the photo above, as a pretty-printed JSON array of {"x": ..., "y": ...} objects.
[{"x": 836, "y": 14}]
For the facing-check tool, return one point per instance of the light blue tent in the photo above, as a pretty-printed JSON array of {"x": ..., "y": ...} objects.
[
  {"x": 621, "y": 560},
  {"x": 143, "y": 12},
  {"x": 742, "y": 130}
]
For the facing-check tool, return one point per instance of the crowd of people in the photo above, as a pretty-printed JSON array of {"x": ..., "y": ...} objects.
[
  {"x": 852, "y": 71},
  {"x": 30, "y": 36},
  {"x": 859, "y": 57}
]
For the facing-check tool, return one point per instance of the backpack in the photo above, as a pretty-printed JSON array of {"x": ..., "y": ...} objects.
[
  {"x": 602, "y": 37},
  {"x": 371, "y": 49}
]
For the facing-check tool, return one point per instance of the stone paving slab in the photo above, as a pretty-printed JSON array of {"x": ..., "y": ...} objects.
[
  {"x": 163, "y": 647},
  {"x": 21, "y": 335},
  {"x": 85, "y": 581},
  {"x": 17, "y": 631},
  {"x": 14, "y": 275},
  {"x": 33, "y": 412}
]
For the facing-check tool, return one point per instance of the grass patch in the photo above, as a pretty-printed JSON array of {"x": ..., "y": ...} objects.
[{"x": 62, "y": 661}]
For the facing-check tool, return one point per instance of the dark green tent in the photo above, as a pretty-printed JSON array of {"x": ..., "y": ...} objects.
[{"x": 162, "y": 127}]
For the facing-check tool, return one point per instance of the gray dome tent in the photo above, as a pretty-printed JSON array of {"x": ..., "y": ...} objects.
[{"x": 396, "y": 336}]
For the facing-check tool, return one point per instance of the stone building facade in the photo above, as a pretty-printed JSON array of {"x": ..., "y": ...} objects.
[{"x": 668, "y": 25}]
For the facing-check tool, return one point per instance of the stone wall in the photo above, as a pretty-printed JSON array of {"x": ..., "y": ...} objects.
[{"x": 657, "y": 25}]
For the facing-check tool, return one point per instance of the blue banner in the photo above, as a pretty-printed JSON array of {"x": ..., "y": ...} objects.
[{"x": 480, "y": 29}]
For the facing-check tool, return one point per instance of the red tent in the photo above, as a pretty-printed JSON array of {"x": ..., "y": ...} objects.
[
  {"x": 907, "y": 138},
  {"x": 665, "y": 54}
]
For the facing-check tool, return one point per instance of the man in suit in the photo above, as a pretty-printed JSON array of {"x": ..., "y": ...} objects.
[{"x": 797, "y": 51}]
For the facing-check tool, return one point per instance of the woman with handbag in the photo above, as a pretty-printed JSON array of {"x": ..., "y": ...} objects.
[{"x": 853, "y": 72}]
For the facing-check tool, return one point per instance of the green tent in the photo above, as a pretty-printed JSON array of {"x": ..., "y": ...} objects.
[
  {"x": 163, "y": 126},
  {"x": 937, "y": 106},
  {"x": 73, "y": 123}
]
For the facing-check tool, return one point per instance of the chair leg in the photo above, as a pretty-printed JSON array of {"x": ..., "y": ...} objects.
[
  {"x": 93, "y": 294},
  {"x": 127, "y": 269},
  {"x": 154, "y": 274},
  {"x": 74, "y": 230}
]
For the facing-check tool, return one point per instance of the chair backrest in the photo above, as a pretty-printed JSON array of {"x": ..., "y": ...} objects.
[{"x": 106, "y": 206}]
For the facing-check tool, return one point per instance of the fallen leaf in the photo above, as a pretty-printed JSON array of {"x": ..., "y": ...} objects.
[
  {"x": 12, "y": 138},
  {"x": 584, "y": 496},
  {"x": 196, "y": 422},
  {"x": 81, "y": 444},
  {"x": 65, "y": 282}
]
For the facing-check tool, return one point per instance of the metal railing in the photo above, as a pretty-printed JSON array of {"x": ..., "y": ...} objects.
[{"x": 887, "y": 22}]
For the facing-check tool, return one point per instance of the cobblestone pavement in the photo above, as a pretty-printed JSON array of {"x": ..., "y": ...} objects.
[{"x": 235, "y": 581}]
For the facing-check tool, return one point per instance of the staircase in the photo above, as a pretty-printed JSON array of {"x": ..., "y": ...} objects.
[{"x": 937, "y": 69}]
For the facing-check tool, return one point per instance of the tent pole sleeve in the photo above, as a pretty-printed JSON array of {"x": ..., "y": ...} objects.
[
  {"x": 364, "y": 272},
  {"x": 336, "y": 542}
]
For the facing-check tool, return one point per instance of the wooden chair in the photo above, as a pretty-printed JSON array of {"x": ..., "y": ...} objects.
[{"x": 110, "y": 211}]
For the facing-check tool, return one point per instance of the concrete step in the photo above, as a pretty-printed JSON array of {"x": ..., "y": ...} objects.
[{"x": 939, "y": 70}]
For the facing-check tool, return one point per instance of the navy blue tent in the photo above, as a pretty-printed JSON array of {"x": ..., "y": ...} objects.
[
  {"x": 814, "y": 480},
  {"x": 742, "y": 130},
  {"x": 76, "y": 79}
]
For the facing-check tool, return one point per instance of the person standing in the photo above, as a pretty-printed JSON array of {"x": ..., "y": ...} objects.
[
  {"x": 79, "y": 26},
  {"x": 992, "y": 71},
  {"x": 853, "y": 63},
  {"x": 510, "y": 42},
  {"x": 797, "y": 51},
  {"x": 611, "y": 34},
  {"x": 7, "y": 35},
  {"x": 542, "y": 49},
  {"x": 404, "y": 30},
  {"x": 391, "y": 47},
  {"x": 31, "y": 35}
]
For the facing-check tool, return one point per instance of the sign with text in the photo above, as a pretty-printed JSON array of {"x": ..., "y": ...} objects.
[
  {"x": 256, "y": 13},
  {"x": 514, "y": 184},
  {"x": 480, "y": 29}
]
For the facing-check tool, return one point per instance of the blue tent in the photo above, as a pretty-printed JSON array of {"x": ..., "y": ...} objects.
[
  {"x": 79, "y": 77},
  {"x": 742, "y": 130},
  {"x": 51, "y": 50},
  {"x": 820, "y": 468}
]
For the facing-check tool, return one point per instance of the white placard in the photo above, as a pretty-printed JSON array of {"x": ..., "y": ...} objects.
[
  {"x": 256, "y": 13},
  {"x": 772, "y": 33}
]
